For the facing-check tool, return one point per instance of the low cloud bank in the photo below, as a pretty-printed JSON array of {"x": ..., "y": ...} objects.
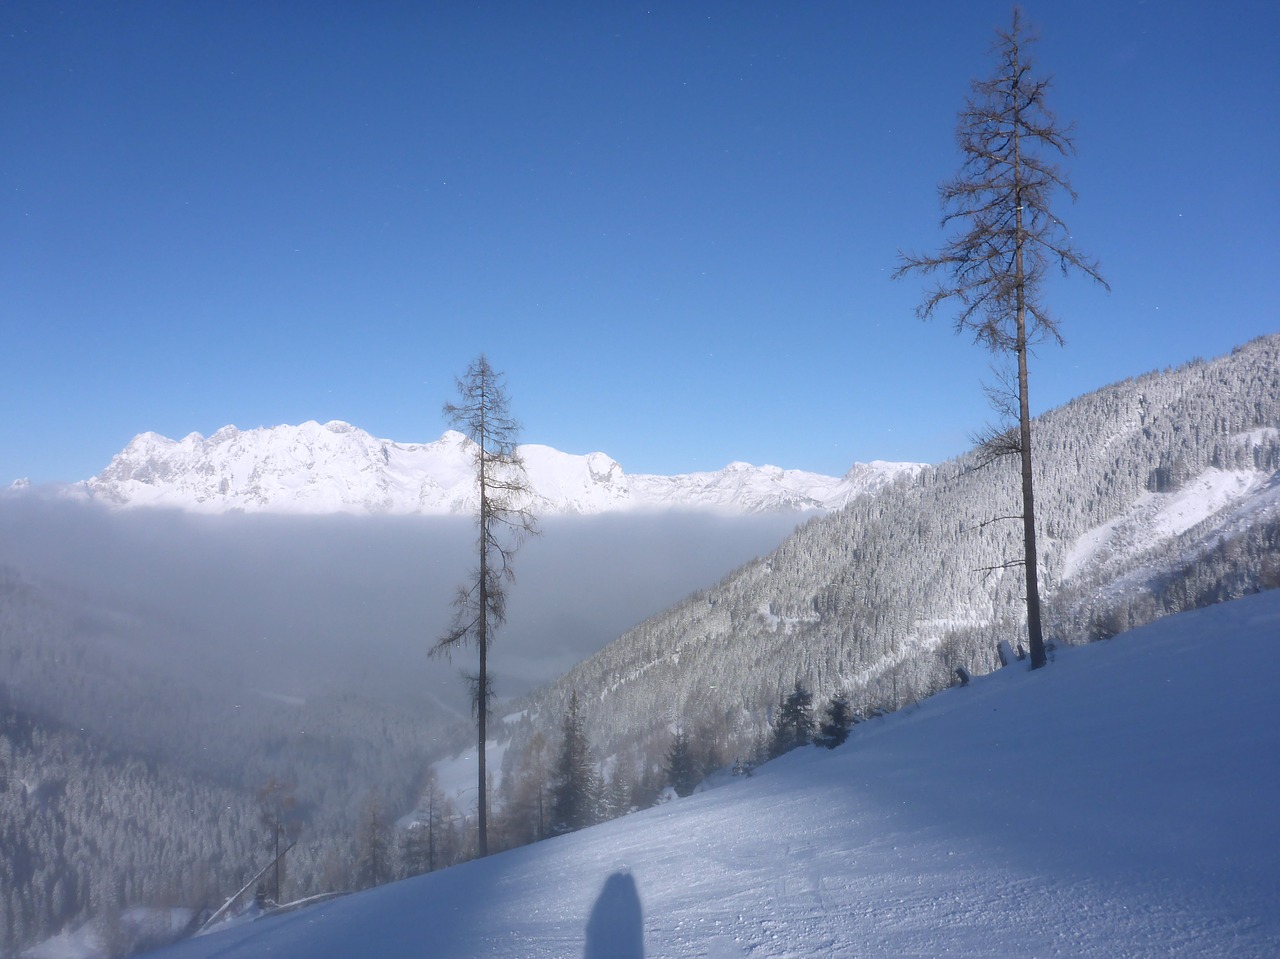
[{"x": 300, "y": 604}]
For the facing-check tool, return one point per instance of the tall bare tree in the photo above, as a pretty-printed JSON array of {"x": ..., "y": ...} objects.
[
  {"x": 503, "y": 520},
  {"x": 1005, "y": 242}
]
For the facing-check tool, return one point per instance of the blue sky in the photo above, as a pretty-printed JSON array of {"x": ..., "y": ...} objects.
[{"x": 672, "y": 225}]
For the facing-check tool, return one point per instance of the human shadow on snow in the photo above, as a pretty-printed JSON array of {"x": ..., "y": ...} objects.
[{"x": 616, "y": 927}]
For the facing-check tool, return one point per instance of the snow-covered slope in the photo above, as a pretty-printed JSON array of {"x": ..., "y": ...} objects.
[
  {"x": 1232, "y": 499},
  {"x": 1120, "y": 802},
  {"x": 1154, "y": 495},
  {"x": 335, "y": 467}
]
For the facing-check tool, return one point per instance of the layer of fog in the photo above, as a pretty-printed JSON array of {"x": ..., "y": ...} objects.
[{"x": 292, "y": 606}]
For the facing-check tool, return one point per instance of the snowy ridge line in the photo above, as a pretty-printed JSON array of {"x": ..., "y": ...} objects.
[{"x": 336, "y": 467}]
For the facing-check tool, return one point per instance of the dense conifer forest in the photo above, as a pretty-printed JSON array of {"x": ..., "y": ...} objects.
[{"x": 122, "y": 785}]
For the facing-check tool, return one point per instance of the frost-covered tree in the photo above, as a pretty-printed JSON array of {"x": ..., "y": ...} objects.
[
  {"x": 373, "y": 846},
  {"x": 503, "y": 520},
  {"x": 526, "y": 810},
  {"x": 429, "y": 842},
  {"x": 617, "y": 794},
  {"x": 1007, "y": 239}
]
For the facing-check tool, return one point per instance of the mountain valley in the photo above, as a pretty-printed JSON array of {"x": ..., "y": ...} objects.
[{"x": 203, "y": 649}]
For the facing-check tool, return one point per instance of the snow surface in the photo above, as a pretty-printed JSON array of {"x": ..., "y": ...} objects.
[
  {"x": 92, "y": 939},
  {"x": 336, "y": 467},
  {"x": 1155, "y": 517},
  {"x": 1121, "y": 802}
]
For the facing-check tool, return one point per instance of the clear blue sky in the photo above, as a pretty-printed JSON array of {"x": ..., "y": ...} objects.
[{"x": 672, "y": 225}]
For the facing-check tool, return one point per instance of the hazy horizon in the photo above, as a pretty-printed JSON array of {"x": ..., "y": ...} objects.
[{"x": 298, "y": 605}]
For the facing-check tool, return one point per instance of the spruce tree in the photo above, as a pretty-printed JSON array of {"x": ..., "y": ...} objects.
[
  {"x": 834, "y": 729},
  {"x": 573, "y": 798},
  {"x": 682, "y": 769},
  {"x": 793, "y": 725}
]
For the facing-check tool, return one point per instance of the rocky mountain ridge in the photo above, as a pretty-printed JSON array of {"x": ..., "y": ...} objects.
[{"x": 336, "y": 467}]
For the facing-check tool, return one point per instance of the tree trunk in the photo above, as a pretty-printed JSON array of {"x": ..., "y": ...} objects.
[
  {"x": 482, "y": 680},
  {"x": 1035, "y": 636}
]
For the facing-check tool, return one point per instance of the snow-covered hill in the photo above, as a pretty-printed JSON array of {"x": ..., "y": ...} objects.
[
  {"x": 335, "y": 467},
  {"x": 1120, "y": 802},
  {"x": 1154, "y": 495}
]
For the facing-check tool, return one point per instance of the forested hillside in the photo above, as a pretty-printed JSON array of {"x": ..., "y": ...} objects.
[
  {"x": 123, "y": 783},
  {"x": 1155, "y": 494}
]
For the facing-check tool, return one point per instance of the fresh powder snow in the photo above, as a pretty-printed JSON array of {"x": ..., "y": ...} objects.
[{"x": 1121, "y": 802}]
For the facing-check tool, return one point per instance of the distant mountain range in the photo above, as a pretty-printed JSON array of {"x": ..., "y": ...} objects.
[{"x": 336, "y": 467}]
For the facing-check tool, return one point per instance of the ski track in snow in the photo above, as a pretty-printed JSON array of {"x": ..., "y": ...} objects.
[{"x": 1119, "y": 803}]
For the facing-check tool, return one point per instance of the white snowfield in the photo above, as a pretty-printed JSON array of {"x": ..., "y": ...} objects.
[
  {"x": 336, "y": 467},
  {"x": 1238, "y": 495},
  {"x": 1120, "y": 803}
]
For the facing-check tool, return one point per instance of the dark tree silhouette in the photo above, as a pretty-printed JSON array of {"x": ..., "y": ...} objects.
[
  {"x": 1007, "y": 239},
  {"x": 682, "y": 770},
  {"x": 503, "y": 519},
  {"x": 793, "y": 726},
  {"x": 574, "y": 793},
  {"x": 834, "y": 729}
]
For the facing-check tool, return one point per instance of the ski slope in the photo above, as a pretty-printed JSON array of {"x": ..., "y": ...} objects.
[{"x": 1120, "y": 803}]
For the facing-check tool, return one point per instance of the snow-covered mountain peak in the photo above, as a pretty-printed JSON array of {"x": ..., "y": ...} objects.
[{"x": 338, "y": 467}]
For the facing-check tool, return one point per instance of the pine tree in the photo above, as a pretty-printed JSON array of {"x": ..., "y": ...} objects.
[
  {"x": 617, "y": 794},
  {"x": 503, "y": 520},
  {"x": 834, "y": 729},
  {"x": 573, "y": 797},
  {"x": 417, "y": 850},
  {"x": 682, "y": 770},
  {"x": 1008, "y": 239},
  {"x": 793, "y": 725}
]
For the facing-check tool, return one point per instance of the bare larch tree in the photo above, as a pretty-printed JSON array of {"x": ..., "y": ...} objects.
[
  {"x": 1006, "y": 240},
  {"x": 503, "y": 519}
]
